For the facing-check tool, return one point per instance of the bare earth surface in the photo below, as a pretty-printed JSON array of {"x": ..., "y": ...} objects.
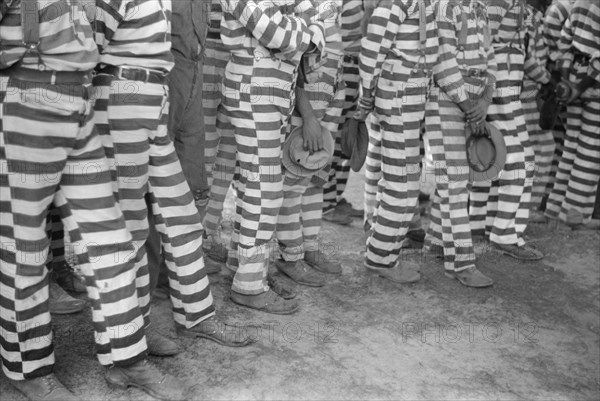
[{"x": 533, "y": 336}]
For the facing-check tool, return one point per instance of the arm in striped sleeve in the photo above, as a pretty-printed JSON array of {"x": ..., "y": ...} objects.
[
  {"x": 446, "y": 73},
  {"x": 553, "y": 22},
  {"x": 534, "y": 67},
  {"x": 496, "y": 10},
  {"x": 564, "y": 47},
  {"x": 381, "y": 33},
  {"x": 109, "y": 14},
  {"x": 594, "y": 68},
  {"x": 266, "y": 23},
  {"x": 316, "y": 26}
]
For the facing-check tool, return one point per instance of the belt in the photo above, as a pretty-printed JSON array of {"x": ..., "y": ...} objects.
[
  {"x": 474, "y": 73},
  {"x": 135, "y": 74},
  {"x": 47, "y": 77},
  {"x": 350, "y": 58}
]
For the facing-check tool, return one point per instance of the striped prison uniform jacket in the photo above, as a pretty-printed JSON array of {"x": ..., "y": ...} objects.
[
  {"x": 51, "y": 153},
  {"x": 351, "y": 18},
  {"x": 131, "y": 117},
  {"x": 579, "y": 166},
  {"x": 299, "y": 220},
  {"x": 500, "y": 208},
  {"x": 396, "y": 63},
  {"x": 466, "y": 66},
  {"x": 267, "y": 41},
  {"x": 536, "y": 74}
]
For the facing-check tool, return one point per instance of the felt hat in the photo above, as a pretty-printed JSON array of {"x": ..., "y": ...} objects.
[
  {"x": 298, "y": 161},
  {"x": 355, "y": 142},
  {"x": 486, "y": 153}
]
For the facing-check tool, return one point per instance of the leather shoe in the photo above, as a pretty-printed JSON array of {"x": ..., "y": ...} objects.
[
  {"x": 336, "y": 216},
  {"x": 280, "y": 287},
  {"x": 436, "y": 250},
  {"x": 319, "y": 261},
  {"x": 215, "y": 249},
  {"x": 398, "y": 274},
  {"x": 523, "y": 252},
  {"x": 345, "y": 207},
  {"x": 417, "y": 235},
  {"x": 67, "y": 278},
  {"x": 148, "y": 378},
  {"x": 300, "y": 272},
  {"x": 61, "y": 303},
  {"x": 471, "y": 277},
  {"x": 219, "y": 332},
  {"x": 45, "y": 388},
  {"x": 211, "y": 266},
  {"x": 268, "y": 302},
  {"x": 159, "y": 345}
]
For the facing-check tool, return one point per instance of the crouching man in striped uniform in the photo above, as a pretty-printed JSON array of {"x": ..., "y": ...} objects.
[
  {"x": 267, "y": 40},
  {"x": 50, "y": 152},
  {"x": 465, "y": 76},
  {"x": 572, "y": 198},
  {"x": 396, "y": 63},
  {"x": 318, "y": 108},
  {"x": 132, "y": 106}
]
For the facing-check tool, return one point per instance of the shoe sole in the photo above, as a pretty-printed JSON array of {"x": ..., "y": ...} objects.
[
  {"x": 316, "y": 267},
  {"x": 69, "y": 311},
  {"x": 450, "y": 275},
  {"x": 515, "y": 256},
  {"x": 125, "y": 386},
  {"x": 187, "y": 334},
  {"x": 266, "y": 311},
  {"x": 378, "y": 273},
  {"x": 314, "y": 285}
]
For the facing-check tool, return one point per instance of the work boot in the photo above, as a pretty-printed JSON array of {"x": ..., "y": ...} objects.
[
  {"x": 67, "y": 278},
  {"x": 319, "y": 261},
  {"x": 523, "y": 252},
  {"x": 147, "y": 377},
  {"x": 268, "y": 302},
  {"x": 159, "y": 345},
  {"x": 471, "y": 277},
  {"x": 334, "y": 215},
  {"x": 345, "y": 207},
  {"x": 45, "y": 388},
  {"x": 219, "y": 332},
  {"x": 300, "y": 272},
  {"x": 280, "y": 287},
  {"x": 211, "y": 266},
  {"x": 215, "y": 249},
  {"x": 406, "y": 274},
  {"x": 417, "y": 235},
  {"x": 61, "y": 303}
]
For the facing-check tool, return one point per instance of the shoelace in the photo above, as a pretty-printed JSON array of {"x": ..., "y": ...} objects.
[{"x": 51, "y": 382}]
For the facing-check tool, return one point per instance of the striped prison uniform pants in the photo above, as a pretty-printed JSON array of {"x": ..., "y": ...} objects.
[
  {"x": 299, "y": 220},
  {"x": 494, "y": 205},
  {"x": 56, "y": 233},
  {"x": 340, "y": 165},
  {"x": 51, "y": 152},
  {"x": 131, "y": 117},
  {"x": 220, "y": 140},
  {"x": 373, "y": 176},
  {"x": 400, "y": 110},
  {"x": 257, "y": 99},
  {"x": 579, "y": 166},
  {"x": 542, "y": 141}
]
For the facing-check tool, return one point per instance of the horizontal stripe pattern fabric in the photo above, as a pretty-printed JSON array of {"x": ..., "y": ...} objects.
[
  {"x": 579, "y": 165},
  {"x": 134, "y": 33},
  {"x": 350, "y": 21},
  {"x": 63, "y": 163},
  {"x": 554, "y": 19},
  {"x": 582, "y": 29},
  {"x": 134, "y": 133},
  {"x": 536, "y": 55},
  {"x": 66, "y": 40},
  {"x": 245, "y": 23}
]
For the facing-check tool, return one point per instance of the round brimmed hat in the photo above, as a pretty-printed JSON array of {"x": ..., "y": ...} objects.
[
  {"x": 486, "y": 153},
  {"x": 300, "y": 162},
  {"x": 355, "y": 142}
]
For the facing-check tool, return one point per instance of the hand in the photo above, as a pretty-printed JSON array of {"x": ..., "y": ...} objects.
[
  {"x": 312, "y": 134},
  {"x": 478, "y": 111},
  {"x": 361, "y": 114}
]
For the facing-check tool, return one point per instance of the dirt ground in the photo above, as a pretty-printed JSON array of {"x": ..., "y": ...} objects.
[{"x": 533, "y": 336}]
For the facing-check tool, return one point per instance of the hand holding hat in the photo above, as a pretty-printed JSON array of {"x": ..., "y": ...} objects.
[{"x": 298, "y": 161}]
